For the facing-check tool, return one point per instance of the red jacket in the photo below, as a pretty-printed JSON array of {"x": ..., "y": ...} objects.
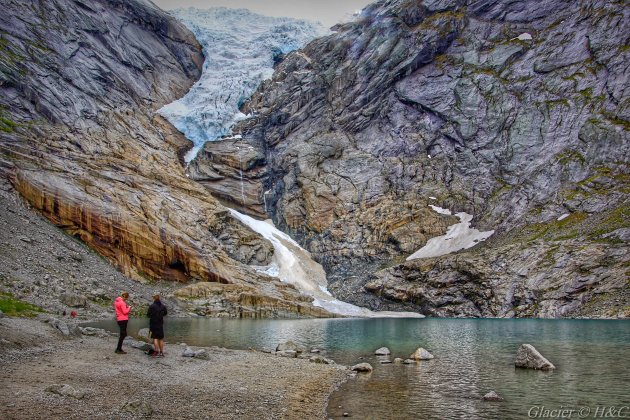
[{"x": 122, "y": 309}]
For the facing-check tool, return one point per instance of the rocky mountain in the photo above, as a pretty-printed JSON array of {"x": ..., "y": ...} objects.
[
  {"x": 515, "y": 111},
  {"x": 80, "y": 140}
]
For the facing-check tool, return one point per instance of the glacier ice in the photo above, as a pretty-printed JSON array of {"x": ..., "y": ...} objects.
[{"x": 240, "y": 47}]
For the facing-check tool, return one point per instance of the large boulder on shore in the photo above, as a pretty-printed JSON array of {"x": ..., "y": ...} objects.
[
  {"x": 73, "y": 300},
  {"x": 421, "y": 354},
  {"x": 529, "y": 358}
]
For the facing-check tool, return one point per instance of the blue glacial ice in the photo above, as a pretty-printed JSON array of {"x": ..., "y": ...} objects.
[{"x": 240, "y": 48}]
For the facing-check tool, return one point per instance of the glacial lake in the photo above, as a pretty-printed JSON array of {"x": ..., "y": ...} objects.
[{"x": 472, "y": 357}]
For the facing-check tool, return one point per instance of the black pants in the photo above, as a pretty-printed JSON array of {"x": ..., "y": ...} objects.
[{"x": 123, "y": 333}]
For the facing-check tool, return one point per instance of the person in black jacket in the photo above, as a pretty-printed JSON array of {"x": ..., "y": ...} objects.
[{"x": 156, "y": 314}]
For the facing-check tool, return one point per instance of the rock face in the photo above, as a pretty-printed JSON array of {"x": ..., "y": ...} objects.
[
  {"x": 529, "y": 358},
  {"x": 515, "y": 112},
  {"x": 80, "y": 140}
]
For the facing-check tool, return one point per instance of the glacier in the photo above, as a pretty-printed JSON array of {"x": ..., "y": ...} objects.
[{"x": 240, "y": 48}]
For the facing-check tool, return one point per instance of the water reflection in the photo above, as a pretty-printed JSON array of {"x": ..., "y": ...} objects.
[{"x": 472, "y": 358}]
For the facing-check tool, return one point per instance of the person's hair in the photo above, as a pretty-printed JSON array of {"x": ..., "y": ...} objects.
[{"x": 124, "y": 294}]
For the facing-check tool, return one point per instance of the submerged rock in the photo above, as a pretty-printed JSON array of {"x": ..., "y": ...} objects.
[
  {"x": 289, "y": 345},
  {"x": 528, "y": 357},
  {"x": 492, "y": 396},
  {"x": 362, "y": 367},
  {"x": 421, "y": 354}
]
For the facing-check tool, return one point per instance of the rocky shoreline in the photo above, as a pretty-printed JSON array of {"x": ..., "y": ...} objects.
[{"x": 47, "y": 374}]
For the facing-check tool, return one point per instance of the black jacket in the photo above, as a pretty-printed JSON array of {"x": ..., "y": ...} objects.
[{"x": 157, "y": 312}]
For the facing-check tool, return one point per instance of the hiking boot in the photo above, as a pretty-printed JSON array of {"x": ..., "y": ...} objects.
[
  {"x": 161, "y": 355},
  {"x": 120, "y": 352}
]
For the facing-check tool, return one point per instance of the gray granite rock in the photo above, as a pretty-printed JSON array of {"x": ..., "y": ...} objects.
[
  {"x": 66, "y": 390},
  {"x": 421, "y": 354},
  {"x": 492, "y": 396},
  {"x": 383, "y": 351},
  {"x": 528, "y": 357},
  {"x": 362, "y": 367}
]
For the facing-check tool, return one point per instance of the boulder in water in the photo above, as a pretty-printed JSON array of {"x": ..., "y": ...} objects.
[
  {"x": 529, "y": 358},
  {"x": 421, "y": 354},
  {"x": 383, "y": 351},
  {"x": 492, "y": 396},
  {"x": 363, "y": 367},
  {"x": 398, "y": 360}
]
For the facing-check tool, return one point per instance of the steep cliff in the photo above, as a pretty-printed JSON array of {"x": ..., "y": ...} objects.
[
  {"x": 514, "y": 111},
  {"x": 79, "y": 139}
]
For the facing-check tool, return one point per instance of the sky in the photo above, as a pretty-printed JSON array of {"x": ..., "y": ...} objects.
[{"x": 328, "y": 12}]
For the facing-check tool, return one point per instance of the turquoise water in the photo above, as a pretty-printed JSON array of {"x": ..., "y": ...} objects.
[{"x": 472, "y": 357}]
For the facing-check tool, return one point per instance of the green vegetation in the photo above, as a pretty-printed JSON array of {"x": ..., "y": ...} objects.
[
  {"x": 15, "y": 307},
  {"x": 6, "y": 125},
  {"x": 578, "y": 225},
  {"x": 570, "y": 156}
]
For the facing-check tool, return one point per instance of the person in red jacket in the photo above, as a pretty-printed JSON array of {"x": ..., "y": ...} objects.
[{"x": 122, "y": 316}]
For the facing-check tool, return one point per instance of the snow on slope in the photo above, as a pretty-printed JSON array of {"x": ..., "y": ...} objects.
[
  {"x": 293, "y": 264},
  {"x": 240, "y": 47},
  {"x": 458, "y": 236}
]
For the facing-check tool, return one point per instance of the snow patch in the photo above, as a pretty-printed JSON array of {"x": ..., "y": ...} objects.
[
  {"x": 458, "y": 236},
  {"x": 293, "y": 264},
  {"x": 240, "y": 48},
  {"x": 524, "y": 36},
  {"x": 564, "y": 216},
  {"x": 440, "y": 210}
]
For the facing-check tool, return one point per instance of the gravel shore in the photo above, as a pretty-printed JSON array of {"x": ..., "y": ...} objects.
[{"x": 230, "y": 384}]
